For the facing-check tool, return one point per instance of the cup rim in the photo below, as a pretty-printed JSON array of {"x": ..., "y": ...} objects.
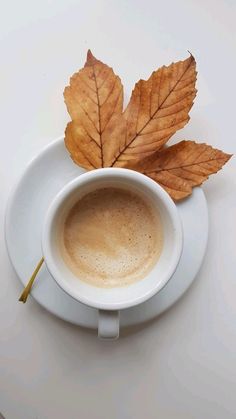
[{"x": 65, "y": 192}]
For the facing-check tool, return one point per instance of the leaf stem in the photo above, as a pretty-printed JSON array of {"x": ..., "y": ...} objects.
[{"x": 27, "y": 289}]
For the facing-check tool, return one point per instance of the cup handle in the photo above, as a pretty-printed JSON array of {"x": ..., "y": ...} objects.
[{"x": 108, "y": 324}]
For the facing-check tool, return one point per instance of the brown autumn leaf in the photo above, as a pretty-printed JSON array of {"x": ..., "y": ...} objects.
[
  {"x": 101, "y": 135},
  {"x": 93, "y": 98},
  {"x": 182, "y": 166}
]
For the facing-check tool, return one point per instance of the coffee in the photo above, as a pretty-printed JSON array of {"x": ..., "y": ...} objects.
[{"x": 111, "y": 237}]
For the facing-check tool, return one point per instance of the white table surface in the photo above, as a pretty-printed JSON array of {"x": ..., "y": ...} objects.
[{"x": 183, "y": 364}]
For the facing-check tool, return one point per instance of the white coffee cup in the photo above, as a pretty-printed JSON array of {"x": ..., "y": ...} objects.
[{"x": 110, "y": 300}]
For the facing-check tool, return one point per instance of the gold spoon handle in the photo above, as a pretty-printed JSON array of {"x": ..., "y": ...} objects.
[{"x": 28, "y": 287}]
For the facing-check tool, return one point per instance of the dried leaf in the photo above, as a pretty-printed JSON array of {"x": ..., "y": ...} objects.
[
  {"x": 182, "y": 166},
  {"x": 94, "y": 98},
  {"x": 100, "y": 135},
  {"x": 158, "y": 107}
]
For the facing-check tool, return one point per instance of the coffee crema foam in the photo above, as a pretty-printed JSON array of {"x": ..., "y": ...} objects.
[{"x": 111, "y": 237}]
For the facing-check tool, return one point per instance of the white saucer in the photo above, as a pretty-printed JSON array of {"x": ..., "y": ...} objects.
[{"x": 43, "y": 178}]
